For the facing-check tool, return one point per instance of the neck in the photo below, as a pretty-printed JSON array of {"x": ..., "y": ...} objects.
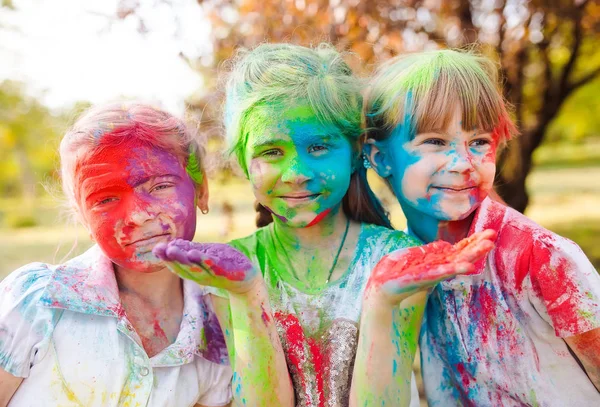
[
  {"x": 327, "y": 232},
  {"x": 160, "y": 289},
  {"x": 428, "y": 228}
]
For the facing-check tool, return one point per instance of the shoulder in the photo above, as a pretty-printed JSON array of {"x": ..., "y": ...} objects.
[
  {"x": 389, "y": 239},
  {"x": 25, "y": 282},
  {"x": 251, "y": 243},
  {"x": 24, "y": 321},
  {"x": 540, "y": 244}
]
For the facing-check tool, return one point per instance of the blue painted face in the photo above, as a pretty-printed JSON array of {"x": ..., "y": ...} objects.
[
  {"x": 443, "y": 174},
  {"x": 299, "y": 168}
]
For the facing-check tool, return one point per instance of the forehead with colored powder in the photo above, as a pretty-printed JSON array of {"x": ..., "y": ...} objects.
[
  {"x": 130, "y": 163},
  {"x": 299, "y": 122}
]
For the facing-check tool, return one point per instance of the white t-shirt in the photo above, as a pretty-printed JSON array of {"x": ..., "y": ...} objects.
[
  {"x": 494, "y": 338},
  {"x": 318, "y": 328},
  {"x": 63, "y": 329}
]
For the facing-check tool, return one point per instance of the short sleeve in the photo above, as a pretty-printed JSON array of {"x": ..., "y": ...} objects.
[
  {"x": 398, "y": 240},
  {"x": 565, "y": 284},
  {"x": 25, "y": 326},
  {"x": 215, "y": 380}
]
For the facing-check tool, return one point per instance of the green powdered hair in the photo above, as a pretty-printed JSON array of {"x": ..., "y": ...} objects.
[
  {"x": 420, "y": 91},
  {"x": 275, "y": 77}
]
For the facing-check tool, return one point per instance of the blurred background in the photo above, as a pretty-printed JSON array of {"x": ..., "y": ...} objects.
[{"x": 58, "y": 57}]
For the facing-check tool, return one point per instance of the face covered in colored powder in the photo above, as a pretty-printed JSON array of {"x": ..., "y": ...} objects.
[
  {"x": 133, "y": 196},
  {"x": 299, "y": 168},
  {"x": 445, "y": 174}
]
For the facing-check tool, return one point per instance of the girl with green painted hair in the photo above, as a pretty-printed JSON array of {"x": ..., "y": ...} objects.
[
  {"x": 271, "y": 76},
  {"x": 328, "y": 265},
  {"x": 528, "y": 316}
]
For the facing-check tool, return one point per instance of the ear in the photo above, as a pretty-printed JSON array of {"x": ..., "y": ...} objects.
[
  {"x": 373, "y": 150},
  {"x": 202, "y": 194}
]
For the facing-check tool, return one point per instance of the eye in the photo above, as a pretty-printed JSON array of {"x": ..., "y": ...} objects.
[
  {"x": 161, "y": 186},
  {"x": 479, "y": 142},
  {"x": 273, "y": 152},
  {"x": 317, "y": 148},
  {"x": 435, "y": 141},
  {"x": 106, "y": 201}
]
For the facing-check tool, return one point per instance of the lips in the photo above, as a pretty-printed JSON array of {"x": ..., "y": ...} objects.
[
  {"x": 455, "y": 188},
  {"x": 148, "y": 240},
  {"x": 299, "y": 196}
]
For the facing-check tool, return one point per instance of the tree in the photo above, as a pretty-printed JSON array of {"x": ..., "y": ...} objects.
[
  {"x": 29, "y": 136},
  {"x": 545, "y": 49}
]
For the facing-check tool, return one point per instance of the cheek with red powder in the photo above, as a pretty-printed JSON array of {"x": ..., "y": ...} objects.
[{"x": 150, "y": 199}]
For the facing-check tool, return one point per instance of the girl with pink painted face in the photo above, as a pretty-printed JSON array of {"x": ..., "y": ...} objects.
[
  {"x": 113, "y": 326},
  {"x": 524, "y": 327},
  {"x": 331, "y": 269}
]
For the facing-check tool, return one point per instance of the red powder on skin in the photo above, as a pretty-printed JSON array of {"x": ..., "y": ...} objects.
[
  {"x": 319, "y": 217},
  {"x": 264, "y": 315},
  {"x": 435, "y": 255},
  {"x": 229, "y": 273},
  {"x": 297, "y": 344}
]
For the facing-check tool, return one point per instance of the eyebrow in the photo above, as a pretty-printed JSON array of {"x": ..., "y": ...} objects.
[
  {"x": 100, "y": 186},
  {"x": 268, "y": 142}
]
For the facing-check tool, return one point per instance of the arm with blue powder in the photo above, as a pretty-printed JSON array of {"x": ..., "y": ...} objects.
[{"x": 393, "y": 305}]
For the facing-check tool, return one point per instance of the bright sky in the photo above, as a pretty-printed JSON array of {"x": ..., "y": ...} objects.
[{"x": 70, "y": 50}]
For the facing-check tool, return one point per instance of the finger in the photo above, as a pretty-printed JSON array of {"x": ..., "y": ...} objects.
[
  {"x": 178, "y": 254},
  {"x": 475, "y": 238},
  {"x": 196, "y": 256},
  {"x": 474, "y": 252},
  {"x": 159, "y": 251},
  {"x": 423, "y": 279}
]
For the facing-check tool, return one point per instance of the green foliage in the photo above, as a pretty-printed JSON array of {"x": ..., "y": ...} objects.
[
  {"x": 579, "y": 118},
  {"x": 29, "y": 136}
]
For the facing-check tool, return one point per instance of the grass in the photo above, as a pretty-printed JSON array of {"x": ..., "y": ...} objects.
[{"x": 564, "y": 199}]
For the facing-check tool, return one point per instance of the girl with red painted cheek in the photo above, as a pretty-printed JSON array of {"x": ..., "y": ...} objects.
[
  {"x": 524, "y": 327},
  {"x": 293, "y": 119},
  {"x": 114, "y": 326}
]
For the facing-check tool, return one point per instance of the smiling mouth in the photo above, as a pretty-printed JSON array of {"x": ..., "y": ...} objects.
[
  {"x": 147, "y": 240},
  {"x": 455, "y": 189},
  {"x": 303, "y": 197}
]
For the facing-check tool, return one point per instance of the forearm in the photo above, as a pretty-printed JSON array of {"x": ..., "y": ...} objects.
[
  {"x": 260, "y": 376},
  {"x": 386, "y": 349}
]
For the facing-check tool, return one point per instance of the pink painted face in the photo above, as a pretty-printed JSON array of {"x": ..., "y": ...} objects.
[
  {"x": 133, "y": 196},
  {"x": 445, "y": 174}
]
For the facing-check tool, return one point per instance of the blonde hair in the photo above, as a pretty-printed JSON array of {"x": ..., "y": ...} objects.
[
  {"x": 112, "y": 124},
  {"x": 417, "y": 93}
]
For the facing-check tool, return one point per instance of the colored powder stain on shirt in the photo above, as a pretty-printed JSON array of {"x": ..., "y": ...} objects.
[
  {"x": 494, "y": 337},
  {"x": 318, "y": 328}
]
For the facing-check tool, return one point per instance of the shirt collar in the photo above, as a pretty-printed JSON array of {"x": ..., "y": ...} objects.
[
  {"x": 200, "y": 333},
  {"x": 87, "y": 284},
  {"x": 489, "y": 215}
]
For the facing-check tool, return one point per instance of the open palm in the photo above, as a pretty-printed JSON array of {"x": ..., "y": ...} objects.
[
  {"x": 211, "y": 264},
  {"x": 402, "y": 273}
]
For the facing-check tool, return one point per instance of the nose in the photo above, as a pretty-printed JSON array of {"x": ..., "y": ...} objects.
[
  {"x": 461, "y": 160},
  {"x": 139, "y": 211},
  {"x": 298, "y": 171}
]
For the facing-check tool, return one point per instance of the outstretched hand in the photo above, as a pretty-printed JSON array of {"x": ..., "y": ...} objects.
[
  {"x": 211, "y": 264},
  {"x": 402, "y": 273}
]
